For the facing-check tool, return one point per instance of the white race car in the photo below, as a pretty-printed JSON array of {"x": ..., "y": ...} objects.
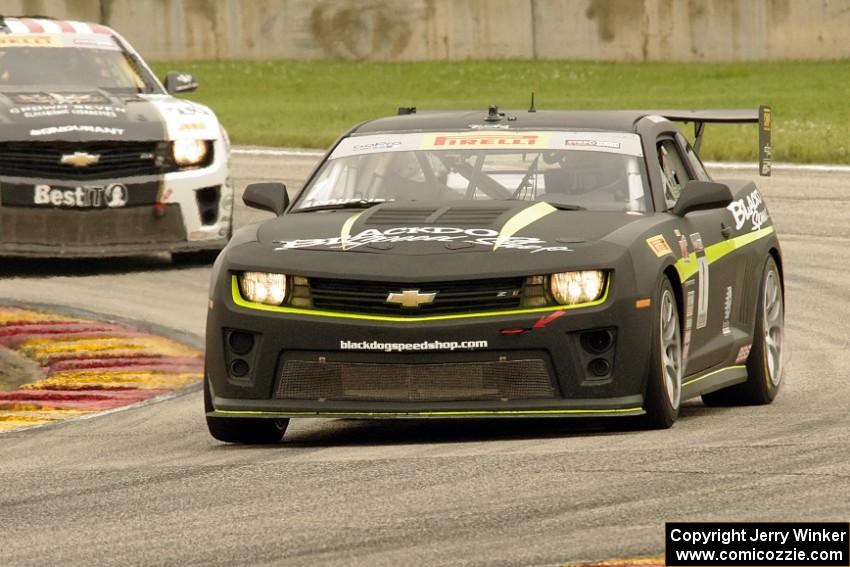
[{"x": 96, "y": 155}]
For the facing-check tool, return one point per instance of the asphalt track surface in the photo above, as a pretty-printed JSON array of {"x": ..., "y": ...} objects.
[{"x": 149, "y": 486}]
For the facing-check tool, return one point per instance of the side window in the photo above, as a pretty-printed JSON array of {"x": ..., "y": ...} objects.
[
  {"x": 674, "y": 174},
  {"x": 696, "y": 164}
]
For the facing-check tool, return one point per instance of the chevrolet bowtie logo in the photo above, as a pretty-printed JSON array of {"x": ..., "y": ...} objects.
[
  {"x": 79, "y": 159},
  {"x": 410, "y": 298}
]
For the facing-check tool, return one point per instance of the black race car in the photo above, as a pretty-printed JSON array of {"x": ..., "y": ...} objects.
[{"x": 479, "y": 264}]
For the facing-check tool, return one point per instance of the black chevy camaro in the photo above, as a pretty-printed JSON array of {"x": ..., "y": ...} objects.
[{"x": 477, "y": 264}]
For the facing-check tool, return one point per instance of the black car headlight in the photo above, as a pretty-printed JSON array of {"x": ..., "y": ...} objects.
[
  {"x": 572, "y": 288},
  {"x": 263, "y": 287}
]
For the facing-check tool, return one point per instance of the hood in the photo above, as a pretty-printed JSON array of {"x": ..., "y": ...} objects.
[
  {"x": 422, "y": 239},
  {"x": 85, "y": 114}
]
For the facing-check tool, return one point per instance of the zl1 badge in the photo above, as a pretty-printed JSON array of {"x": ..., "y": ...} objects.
[{"x": 658, "y": 244}]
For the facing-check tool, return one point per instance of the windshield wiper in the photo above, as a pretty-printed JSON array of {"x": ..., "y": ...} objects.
[{"x": 351, "y": 204}]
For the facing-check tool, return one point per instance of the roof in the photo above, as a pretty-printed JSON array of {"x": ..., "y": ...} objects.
[
  {"x": 39, "y": 25},
  {"x": 613, "y": 120}
]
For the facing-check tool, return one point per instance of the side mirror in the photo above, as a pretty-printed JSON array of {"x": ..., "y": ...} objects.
[
  {"x": 702, "y": 195},
  {"x": 180, "y": 82},
  {"x": 266, "y": 196}
]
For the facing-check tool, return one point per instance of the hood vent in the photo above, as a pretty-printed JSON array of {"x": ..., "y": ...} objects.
[
  {"x": 470, "y": 216},
  {"x": 399, "y": 217},
  {"x": 443, "y": 216}
]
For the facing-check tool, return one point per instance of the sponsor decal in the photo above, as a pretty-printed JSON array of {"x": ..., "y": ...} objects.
[
  {"x": 683, "y": 247},
  {"x": 474, "y": 236},
  {"x": 198, "y": 235},
  {"x": 52, "y": 130},
  {"x": 490, "y": 137},
  {"x": 30, "y": 40},
  {"x": 593, "y": 143},
  {"x": 749, "y": 209},
  {"x": 183, "y": 108},
  {"x": 658, "y": 244},
  {"x": 702, "y": 280},
  {"x": 539, "y": 324},
  {"x": 59, "y": 98},
  {"x": 48, "y": 111},
  {"x": 410, "y": 347},
  {"x": 727, "y": 311},
  {"x": 475, "y": 140},
  {"x": 766, "y": 161},
  {"x": 689, "y": 324},
  {"x": 743, "y": 353},
  {"x": 489, "y": 126},
  {"x": 190, "y": 126},
  {"x": 387, "y": 146},
  {"x": 765, "y": 152},
  {"x": 112, "y": 196},
  {"x": 546, "y": 319},
  {"x": 95, "y": 43}
]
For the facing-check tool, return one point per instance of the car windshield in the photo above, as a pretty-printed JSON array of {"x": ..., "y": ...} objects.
[
  {"x": 601, "y": 171},
  {"x": 107, "y": 66}
]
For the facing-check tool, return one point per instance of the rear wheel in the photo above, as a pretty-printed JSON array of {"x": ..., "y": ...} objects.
[
  {"x": 764, "y": 364},
  {"x": 664, "y": 384},
  {"x": 241, "y": 429}
]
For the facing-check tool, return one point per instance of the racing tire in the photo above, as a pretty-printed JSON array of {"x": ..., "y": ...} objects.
[
  {"x": 764, "y": 363},
  {"x": 249, "y": 431},
  {"x": 664, "y": 381}
]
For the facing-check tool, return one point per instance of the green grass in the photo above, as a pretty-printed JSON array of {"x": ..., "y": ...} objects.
[{"x": 308, "y": 104}]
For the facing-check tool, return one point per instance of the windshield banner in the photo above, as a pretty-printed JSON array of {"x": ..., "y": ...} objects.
[
  {"x": 88, "y": 40},
  {"x": 608, "y": 142}
]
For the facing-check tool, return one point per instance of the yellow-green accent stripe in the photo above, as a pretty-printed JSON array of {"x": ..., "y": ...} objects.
[
  {"x": 704, "y": 376},
  {"x": 241, "y": 302},
  {"x": 435, "y": 413},
  {"x": 346, "y": 228},
  {"x": 718, "y": 251},
  {"x": 521, "y": 220}
]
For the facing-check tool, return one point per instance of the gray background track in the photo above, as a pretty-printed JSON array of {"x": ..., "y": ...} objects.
[{"x": 149, "y": 486}]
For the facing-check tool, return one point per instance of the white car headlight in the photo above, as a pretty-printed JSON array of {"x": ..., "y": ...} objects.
[
  {"x": 571, "y": 288},
  {"x": 263, "y": 287},
  {"x": 190, "y": 152}
]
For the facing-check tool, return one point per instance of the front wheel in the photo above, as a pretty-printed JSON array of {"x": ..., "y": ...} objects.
[
  {"x": 764, "y": 364},
  {"x": 664, "y": 383},
  {"x": 245, "y": 430}
]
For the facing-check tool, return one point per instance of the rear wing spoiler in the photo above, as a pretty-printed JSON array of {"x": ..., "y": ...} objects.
[{"x": 700, "y": 118}]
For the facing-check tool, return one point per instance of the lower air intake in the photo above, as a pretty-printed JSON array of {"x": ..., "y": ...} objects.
[{"x": 450, "y": 381}]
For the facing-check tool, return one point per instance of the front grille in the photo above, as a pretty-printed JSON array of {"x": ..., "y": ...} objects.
[
  {"x": 115, "y": 159},
  {"x": 70, "y": 227},
  {"x": 451, "y": 297},
  {"x": 526, "y": 379}
]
